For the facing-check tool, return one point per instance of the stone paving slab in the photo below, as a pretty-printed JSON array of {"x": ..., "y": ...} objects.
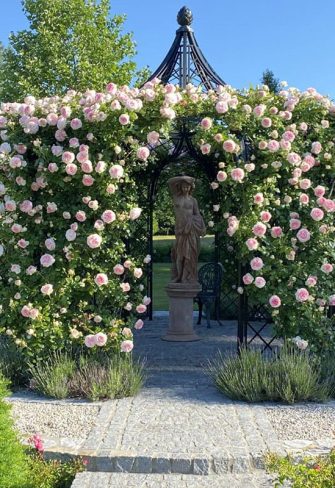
[{"x": 122, "y": 480}]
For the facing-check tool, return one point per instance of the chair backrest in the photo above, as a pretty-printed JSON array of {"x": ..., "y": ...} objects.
[{"x": 210, "y": 277}]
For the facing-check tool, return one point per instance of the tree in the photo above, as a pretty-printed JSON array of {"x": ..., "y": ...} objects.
[
  {"x": 73, "y": 44},
  {"x": 268, "y": 78}
]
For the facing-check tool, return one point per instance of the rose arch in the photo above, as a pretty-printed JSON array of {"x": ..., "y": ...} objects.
[{"x": 73, "y": 173}]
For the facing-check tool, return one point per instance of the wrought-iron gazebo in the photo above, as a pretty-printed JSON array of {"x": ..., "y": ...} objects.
[{"x": 185, "y": 64}]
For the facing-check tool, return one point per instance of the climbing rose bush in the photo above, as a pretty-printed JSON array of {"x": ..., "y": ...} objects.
[{"x": 73, "y": 170}]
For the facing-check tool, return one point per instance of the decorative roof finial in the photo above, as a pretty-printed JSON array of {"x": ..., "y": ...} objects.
[{"x": 184, "y": 16}]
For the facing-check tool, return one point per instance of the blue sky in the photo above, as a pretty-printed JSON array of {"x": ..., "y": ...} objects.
[{"x": 241, "y": 38}]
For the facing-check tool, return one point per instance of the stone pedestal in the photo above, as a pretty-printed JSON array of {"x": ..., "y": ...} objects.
[{"x": 181, "y": 311}]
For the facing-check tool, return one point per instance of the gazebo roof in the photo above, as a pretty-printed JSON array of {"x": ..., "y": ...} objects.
[{"x": 185, "y": 62}]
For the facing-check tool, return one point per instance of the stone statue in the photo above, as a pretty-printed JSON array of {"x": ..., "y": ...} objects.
[{"x": 188, "y": 229}]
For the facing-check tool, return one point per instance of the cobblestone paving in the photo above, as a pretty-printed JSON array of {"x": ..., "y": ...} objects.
[{"x": 117, "y": 480}]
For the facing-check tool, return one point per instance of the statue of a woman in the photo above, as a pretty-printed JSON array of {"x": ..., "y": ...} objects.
[{"x": 188, "y": 229}]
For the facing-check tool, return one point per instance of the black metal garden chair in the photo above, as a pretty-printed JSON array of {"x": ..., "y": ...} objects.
[{"x": 210, "y": 277}]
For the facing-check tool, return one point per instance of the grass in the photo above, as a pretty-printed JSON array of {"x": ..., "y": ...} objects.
[{"x": 290, "y": 376}]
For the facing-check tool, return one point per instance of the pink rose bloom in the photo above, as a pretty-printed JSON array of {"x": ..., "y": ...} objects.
[
  {"x": 303, "y": 126},
  {"x": 221, "y": 107},
  {"x": 71, "y": 169},
  {"x": 331, "y": 300},
  {"x": 266, "y": 216},
  {"x": 317, "y": 214},
  {"x": 10, "y": 205},
  {"x": 74, "y": 226},
  {"x": 100, "y": 167},
  {"x": 127, "y": 346},
  {"x": 68, "y": 157},
  {"x": 118, "y": 269},
  {"x": 252, "y": 244},
  {"x": 256, "y": 264},
  {"x": 153, "y": 138},
  {"x": 275, "y": 301},
  {"x": 259, "y": 198},
  {"x": 25, "y": 311},
  {"x": 100, "y": 339},
  {"x": 259, "y": 229},
  {"x": 304, "y": 199},
  {"x": 70, "y": 235},
  {"x": 329, "y": 205},
  {"x": 90, "y": 340},
  {"x": 319, "y": 191},
  {"x": 128, "y": 264},
  {"x": 87, "y": 167},
  {"x": 47, "y": 289},
  {"x": 262, "y": 145},
  {"x": 108, "y": 216},
  {"x": 76, "y": 124},
  {"x": 206, "y": 123},
  {"x": 50, "y": 244},
  {"x": 139, "y": 324},
  {"x": 22, "y": 243},
  {"x": 247, "y": 279},
  {"x": 260, "y": 282},
  {"x": 94, "y": 241},
  {"x": 205, "y": 148},
  {"x": 138, "y": 272},
  {"x": 146, "y": 300},
  {"x": 218, "y": 138},
  {"x": 323, "y": 229},
  {"x": 31, "y": 270},
  {"x": 111, "y": 88},
  {"x": 311, "y": 281},
  {"x": 56, "y": 150},
  {"x": 288, "y": 136},
  {"x": 305, "y": 167},
  {"x": 141, "y": 308},
  {"x": 16, "y": 228},
  {"x": 52, "y": 167},
  {"x": 51, "y": 207},
  {"x": 327, "y": 268},
  {"x": 101, "y": 279},
  {"x": 73, "y": 142},
  {"x": 273, "y": 146},
  {"x": 259, "y": 110},
  {"x": 302, "y": 295},
  {"x": 221, "y": 176},
  {"x": 303, "y": 235},
  {"x": 15, "y": 268},
  {"x": 294, "y": 158},
  {"x": 26, "y": 206},
  {"x": 124, "y": 119},
  {"x": 88, "y": 180},
  {"x": 266, "y": 122},
  {"x": 305, "y": 184},
  {"x": 135, "y": 213},
  {"x": 82, "y": 156},
  {"x": 316, "y": 147},
  {"x": 295, "y": 224},
  {"x": 237, "y": 174},
  {"x": 47, "y": 260},
  {"x": 99, "y": 224},
  {"x": 276, "y": 232},
  {"x": 125, "y": 287},
  {"x": 229, "y": 146},
  {"x": 60, "y": 135},
  {"x": 143, "y": 153},
  {"x": 34, "y": 313},
  {"x": 81, "y": 216},
  {"x": 116, "y": 171}
]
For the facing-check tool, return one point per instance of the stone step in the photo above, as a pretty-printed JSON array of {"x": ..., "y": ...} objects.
[{"x": 125, "y": 480}]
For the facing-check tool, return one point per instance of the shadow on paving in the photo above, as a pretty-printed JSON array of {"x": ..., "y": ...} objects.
[{"x": 179, "y": 367}]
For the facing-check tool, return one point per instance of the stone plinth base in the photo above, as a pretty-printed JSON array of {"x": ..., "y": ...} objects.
[{"x": 181, "y": 311}]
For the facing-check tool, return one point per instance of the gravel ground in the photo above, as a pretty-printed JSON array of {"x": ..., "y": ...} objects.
[
  {"x": 54, "y": 420},
  {"x": 310, "y": 422}
]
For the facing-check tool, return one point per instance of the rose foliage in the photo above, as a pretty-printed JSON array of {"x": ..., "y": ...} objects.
[{"x": 73, "y": 169}]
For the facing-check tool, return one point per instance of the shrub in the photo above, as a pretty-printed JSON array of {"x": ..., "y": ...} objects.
[
  {"x": 307, "y": 473},
  {"x": 13, "y": 461},
  {"x": 12, "y": 362},
  {"x": 53, "y": 473},
  {"x": 96, "y": 376},
  {"x": 289, "y": 376}
]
